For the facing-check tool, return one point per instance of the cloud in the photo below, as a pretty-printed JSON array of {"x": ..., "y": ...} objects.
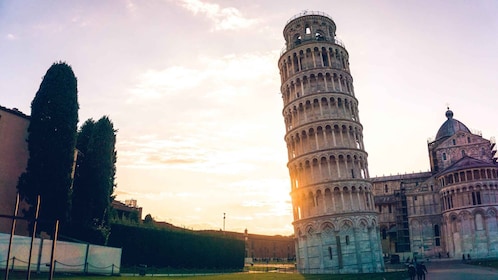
[
  {"x": 202, "y": 119},
  {"x": 224, "y": 18},
  {"x": 11, "y": 37},
  {"x": 184, "y": 153},
  {"x": 131, "y": 7},
  {"x": 155, "y": 84},
  {"x": 215, "y": 77}
]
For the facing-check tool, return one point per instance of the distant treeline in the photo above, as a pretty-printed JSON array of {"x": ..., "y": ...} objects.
[{"x": 176, "y": 249}]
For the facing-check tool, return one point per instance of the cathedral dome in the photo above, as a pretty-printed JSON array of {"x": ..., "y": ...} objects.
[{"x": 450, "y": 127}]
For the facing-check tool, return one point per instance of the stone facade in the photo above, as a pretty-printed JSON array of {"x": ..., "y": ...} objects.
[
  {"x": 13, "y": 160},
  {"x": 448, "y": 212},
  {"x": 335, "y": 220}
]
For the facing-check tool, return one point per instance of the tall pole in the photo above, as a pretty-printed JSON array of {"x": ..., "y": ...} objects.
[
  {"x": 12, "y": 231},
  {"x": 52, "y": 256},
  {"x": 224, "y": 221},
  {"x": 35, "y": 223}
]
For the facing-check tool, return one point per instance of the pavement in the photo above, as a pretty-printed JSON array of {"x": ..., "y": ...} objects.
[{"x": 445, "y": 269}]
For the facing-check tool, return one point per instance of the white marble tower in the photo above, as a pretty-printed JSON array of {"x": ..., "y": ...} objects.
[{"x": 335, "y": 222}]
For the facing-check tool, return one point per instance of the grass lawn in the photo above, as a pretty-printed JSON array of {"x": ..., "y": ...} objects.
[
  {"x": 486, "y": 263},
  {"x": 243, "y": 276}
]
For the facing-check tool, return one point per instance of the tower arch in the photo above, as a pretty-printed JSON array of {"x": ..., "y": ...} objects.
[{"x": 327, "y": 162}]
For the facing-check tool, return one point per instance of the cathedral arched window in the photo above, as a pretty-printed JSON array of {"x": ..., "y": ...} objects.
[
  {"x": 476, "y": 198},
  {"x": 479, "y": 222},
  {"x": 437, "y": 235}
]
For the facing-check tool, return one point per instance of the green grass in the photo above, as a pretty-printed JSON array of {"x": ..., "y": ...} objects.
[
  {"x": 242, "y": 276},
  {"x": 486, "y": 263}
]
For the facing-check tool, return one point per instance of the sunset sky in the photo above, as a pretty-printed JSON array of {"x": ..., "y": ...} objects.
[{"x": 193, "y": 87}]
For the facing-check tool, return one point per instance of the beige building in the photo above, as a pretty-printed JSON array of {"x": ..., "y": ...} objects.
[
  {"x": 14, "y": 156},
  {"x": 13, "y": 160},
  {"x": 450, "y": 211},
  {"x": 335, "y": 221}
]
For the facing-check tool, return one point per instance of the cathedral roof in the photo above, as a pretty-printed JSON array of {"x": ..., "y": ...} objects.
[
  {"x": 467, "y": 162},
  {"x": 384, "y": 199},
  {"x": 450, "y": 127}
]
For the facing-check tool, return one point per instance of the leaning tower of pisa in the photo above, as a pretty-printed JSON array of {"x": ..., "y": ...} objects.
[{"x": 335, "y": 223}]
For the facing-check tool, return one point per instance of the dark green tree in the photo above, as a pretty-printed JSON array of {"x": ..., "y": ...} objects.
[
  {"x": 94, "y": 181},
  {"x": 51, "y": 143},
  {"x": 148, "y": 220}
]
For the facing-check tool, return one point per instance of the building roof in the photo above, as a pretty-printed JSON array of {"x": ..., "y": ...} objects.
[
  {"x": 14, "y": 111},
  {"x": 118, "y": 205},
  {"x": 397, "y": 177},
  {"x": 384, "y": 199},
  {"x": 450, "y": 127},
  {"x": 467, "y": 162}
]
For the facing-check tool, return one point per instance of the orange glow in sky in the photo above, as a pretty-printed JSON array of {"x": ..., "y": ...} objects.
[{"x": 193, "y": 88}]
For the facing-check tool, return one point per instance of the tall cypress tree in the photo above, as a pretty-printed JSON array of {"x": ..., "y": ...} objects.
[
  {"x": 51, "y": 144},
  {"x": 95, "y": 181},
  {"x": 81, "y": 217}
]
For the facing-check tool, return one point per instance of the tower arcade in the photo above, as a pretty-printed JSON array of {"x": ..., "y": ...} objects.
[{"x": 335, "y": 222}]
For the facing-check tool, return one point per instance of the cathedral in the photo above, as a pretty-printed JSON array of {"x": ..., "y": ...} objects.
[
  {"x": 449, "y": 212},
  {"x": 344, "y": 220}
]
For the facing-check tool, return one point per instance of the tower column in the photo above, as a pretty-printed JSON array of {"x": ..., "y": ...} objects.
[{"x": 328, "y": 64}]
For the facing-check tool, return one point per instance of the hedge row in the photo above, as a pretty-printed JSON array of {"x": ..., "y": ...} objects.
[{"x": 176, "y": 249}]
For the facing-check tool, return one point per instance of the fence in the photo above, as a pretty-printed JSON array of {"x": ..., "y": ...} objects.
[{"x": 69, "y": 256}]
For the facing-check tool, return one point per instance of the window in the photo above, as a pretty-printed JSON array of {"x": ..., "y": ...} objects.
[
  {"x": 347, "y": 239},
  {"x": 384, "y": 233},
  {"x": 390, "y": 208},
  {"x": 454, "y": 142},
  {"x": 330, "y": 252},
  {"x": 437, "y": 235},
  {"x": 479, "y": 222},
  {"x": 308, "y": 30},
  {"x": 463, "y": 153},
  {"x": 444, "y": 156},
  {"x": 468, "y": 139},
  {"x": 386, "y": 189}
]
